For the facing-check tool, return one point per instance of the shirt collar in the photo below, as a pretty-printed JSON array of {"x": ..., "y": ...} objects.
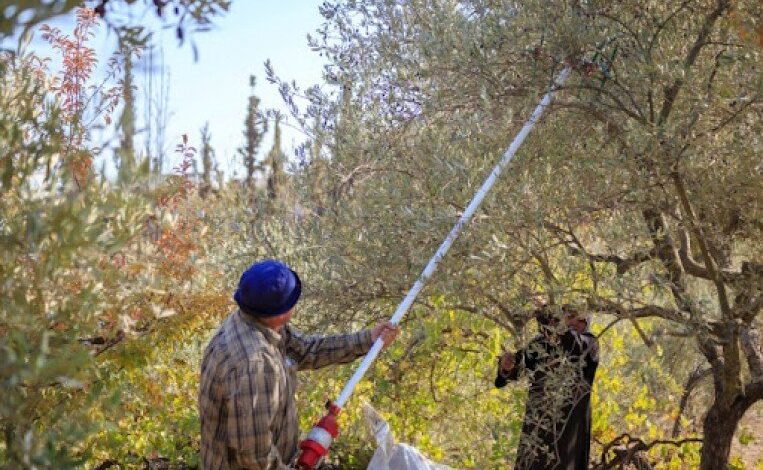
[{"x": 272, "y": 336}]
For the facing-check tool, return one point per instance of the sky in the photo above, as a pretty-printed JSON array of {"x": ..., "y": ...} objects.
[{"x": 215, "y": 87}]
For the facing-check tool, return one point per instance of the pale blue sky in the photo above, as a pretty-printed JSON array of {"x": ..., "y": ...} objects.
[{"x": 216, "y": 87}]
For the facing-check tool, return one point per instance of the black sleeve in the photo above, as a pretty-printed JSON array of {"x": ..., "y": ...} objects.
[
  {"x": 583, "y": 347},
  {"x": 503, "y": 377},
  {"x": 591, "y": 355},
  {"x": 532, "y": 356},
  {"x": 572, "y": 343}
]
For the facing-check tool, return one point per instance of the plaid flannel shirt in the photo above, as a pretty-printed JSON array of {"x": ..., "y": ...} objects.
[{"x": 248, "y": 381}]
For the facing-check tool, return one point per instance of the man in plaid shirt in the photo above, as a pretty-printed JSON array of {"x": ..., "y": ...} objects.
[{"x": 248, "y": 373}]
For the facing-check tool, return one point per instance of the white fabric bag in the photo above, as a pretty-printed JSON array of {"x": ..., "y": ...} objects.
[{"x": 391, "y": 456}]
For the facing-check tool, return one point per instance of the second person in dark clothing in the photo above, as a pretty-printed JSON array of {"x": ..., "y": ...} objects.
[{"x": 561, "y": 364}]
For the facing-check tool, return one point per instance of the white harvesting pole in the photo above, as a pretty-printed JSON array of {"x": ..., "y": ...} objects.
[{"x": 440, "y": 253}]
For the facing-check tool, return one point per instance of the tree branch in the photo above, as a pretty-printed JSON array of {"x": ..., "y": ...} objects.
[
  {"x": 618, "y": 103},
  {"x": 623, "y": 265},
  {"x": 636, "y": 36},
  {"x": 510, "y": 316},
  {"x": 708, "y": 349},
  {"x": 666, "y": 252},
  {"x": 704, "y": 246},
  {"x": 575, "y": 247},
  {"x": 610, "y": 325},
  {"x": 613, "y": 308},
  {"x": 694, "y": 379},
  {"x": 632, "y": 446},
  {"x": 671, "y": 92},
  {"x": 751, "y": 345},
  {"x": 693, "y": 268},
  {"x": 748, "y": 284},
  {"x": 613, "y": 128},
  {"x": 498, "y": 321},
  {"x": 684, "y": 253},
  {"x": 548, "y": 273},
  {"x": 728, "y": 120},
  {"x": 664, "y": 23},
  {"x": 732, "y": 382},
  {"x": 753, "y": 393}
]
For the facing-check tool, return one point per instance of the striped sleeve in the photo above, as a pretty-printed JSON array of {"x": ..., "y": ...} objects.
[{"x": 313, "y": 352}]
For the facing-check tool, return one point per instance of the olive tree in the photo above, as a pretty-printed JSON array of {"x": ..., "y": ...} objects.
[{"x": 639, "y": 195}]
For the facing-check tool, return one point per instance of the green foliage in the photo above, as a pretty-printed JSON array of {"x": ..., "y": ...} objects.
[
  {"x": 255, "y": 127},
  {"x": 57, "y": 241},
  {"x": 186, "y": 17},
  {"x": 631, "y": 199},
  {"x": 746, "y": 437},
  {"x": 13, "y": 17},
  {"x": 111, "y": 290},
  {"x": 275, "y": 162},
  {"x": 207, "y": 160}
]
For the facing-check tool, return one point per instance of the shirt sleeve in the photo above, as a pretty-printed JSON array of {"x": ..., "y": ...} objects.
[
  {"x": 313, "y": 352},
  {"x": 590, "y": 355},
  {"x": 504, "y": 376},
  {"x": 527, "y": 359},
  {"x": 590, "y": 347},
  {"x": 251, "y": 406}
]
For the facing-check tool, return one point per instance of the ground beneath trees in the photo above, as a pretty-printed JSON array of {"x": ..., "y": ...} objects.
[{"x": 750, "y": 429}]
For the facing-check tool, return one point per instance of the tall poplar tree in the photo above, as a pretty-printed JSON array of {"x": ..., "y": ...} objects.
[{"x": 255, "y": 127}]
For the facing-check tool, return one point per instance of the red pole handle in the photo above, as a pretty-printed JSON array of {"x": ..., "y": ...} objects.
[{"x": 316, "y": 445}]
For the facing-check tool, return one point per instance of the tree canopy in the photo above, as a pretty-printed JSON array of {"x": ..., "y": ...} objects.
[{"x": 637, "y": 198}]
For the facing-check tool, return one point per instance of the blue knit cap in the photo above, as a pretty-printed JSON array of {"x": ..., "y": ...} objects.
[{"x": 267, "y": 289}]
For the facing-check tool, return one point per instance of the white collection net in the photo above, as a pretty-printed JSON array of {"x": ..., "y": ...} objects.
[{"x": 390, "y": 455}]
